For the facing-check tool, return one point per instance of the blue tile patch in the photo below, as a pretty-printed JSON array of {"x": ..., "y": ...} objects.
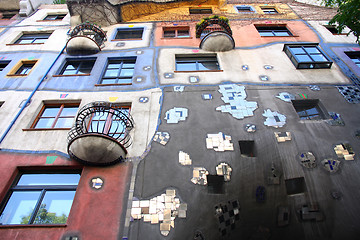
[
  {"x": 264, "y": 78},
  {"x": 285, "y": 96},
  {"x": 143, "y": 99},
  {"x": 206, "y": 96},
  {"x": 175, "y": 115},
  {"x": 351, "y": 93}
]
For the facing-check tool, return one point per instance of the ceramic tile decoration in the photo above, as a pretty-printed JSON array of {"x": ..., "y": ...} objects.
[
  {"x": 194, "y": 79},
  {"x": 245, "y": 67},
  {"x": 268, "y": 67},
  {"x": 184, "y": 158},
  {"x": 179, "y": 88},
  {"x": 227, "y": 213},
  {"x": 344, "y": 150},
  {"x": 169, "y": 75},
  {"x": 307, "y": 160},
  {"x": 286, "y": 97},
  {"x": 350, "y": 93},
  {"x": 331, "y": 165},
  {"x": 335, "y": 120},
  {"x": 223, "y": 169},
  {"x": 314, "y": 87},
  {"x": 199, "y": 176},
  {"x": 219, "y": 142},
  {"x": 274, "y": 176},
  {"x": 235, "y": 96},
  {"x": 206, "y": 96},
  {"x": 162, "y": 137},
  {"x": 161, "y": 209},
  {"x": 175, "y": 115},
  {"x": 250, "y": 128},
  {"x": 264, "y": 78},
  {"x": 282, "y": 136},
  {"x": 147, "y": 68},
  {"x": 274, "y": 119},
  {"x": 143, "y": 99}
]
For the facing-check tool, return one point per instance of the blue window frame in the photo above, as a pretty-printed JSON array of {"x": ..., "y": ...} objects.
[
  {"x": 245, "y": 9},
  {"x": 40, "y": 198},
  {"x": 196, "y": 63},
  {"x": 119, "y": 71},
  {"x": 355, "y": 57},
  {"x": 307, "y": 56}
]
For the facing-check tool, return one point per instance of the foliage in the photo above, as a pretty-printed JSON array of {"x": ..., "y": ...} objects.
[
  {"x": 348, "y": 15},
  {"x": 45, "y": 217},
  {"x": 59, "y": 1}
]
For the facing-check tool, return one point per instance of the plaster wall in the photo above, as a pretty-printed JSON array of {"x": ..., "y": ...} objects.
[
  {"x": 341, "y": 53},
  {"x": 145, "y": 117},
  {"x": 38, "y": 17},
  {"x": 328, "y": 37},
  {"x": 284, "y": 72}
]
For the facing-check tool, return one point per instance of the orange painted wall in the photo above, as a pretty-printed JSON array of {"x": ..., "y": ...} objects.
[{"x": 95, "y": 214}]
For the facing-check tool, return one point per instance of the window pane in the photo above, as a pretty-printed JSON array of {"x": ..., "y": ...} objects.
[
  {"x": 208, "y": 66},
  {"x": 318, "y": 58},
  {"x": 312, "y": 50},
  {"x": 39, "y": 40},
  {"x": 50, "y": 112},
  {"x": 303, "y": 58},
  {"x": 111, "y": 73},
  {"x": 49, "y": 179},
  {"x": 55, "y": 207},
  {"x": 45, "y": 123},
  {"x": 297, "y": 50},
  {"x": 19, "y": 207},
  {"x": 183, "y": 33},
  {"x": 186, "y": 66},
  {"x": 128, "y": 65},
  {"x": 84, "y": 71},
  {"x": 281, "y": 33},
  {"x": 266, "y": 33},
  {"x": 69, "y": 111},
  {"x": 124, "y": 81},
  {"x": 114, "y": 65},
  {"x": 24, "y": 41},
  {"x": 64, "y": 123},
  {"x": 108, "y": 81},
  {"x": 169, "y": 33},
  {"x": 127, "y": 72},
  {"x": 97, "y": 126}
]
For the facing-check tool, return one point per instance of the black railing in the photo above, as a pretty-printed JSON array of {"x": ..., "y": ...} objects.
[{"x": 91, "y": 31}]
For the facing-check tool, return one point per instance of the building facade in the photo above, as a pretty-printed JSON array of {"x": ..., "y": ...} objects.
[{"x": 178, "y": 120}]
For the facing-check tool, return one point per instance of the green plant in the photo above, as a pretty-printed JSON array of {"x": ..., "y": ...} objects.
[{"x": 59, "y": 1}]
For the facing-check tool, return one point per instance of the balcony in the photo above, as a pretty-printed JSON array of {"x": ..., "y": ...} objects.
[
  {"x": 100, "y": 135},
  {"x": 85, "y": 38},
  {"x": 215, "y": 34}
]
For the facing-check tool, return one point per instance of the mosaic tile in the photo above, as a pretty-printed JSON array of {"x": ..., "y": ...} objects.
[
  {"x": 139, "y": 79},
  {"x": 274, "y": 119},
  {"x": 235, "y": 96},
  {"x": 175, "y": 115},
  {"x": 314, "y": 87},
  {"x": 120, "y": 44},
  {"x": 264, "y": 78},
  {"x": 219, "y": 142},
  {"x": 227, "y": 213},
  {"x": 351, "y": 93},
  {"x": 307, "y": 160},
  {"x": 245, "y": 67},
  {"x": 282, "y": 136},
  {"x": 331, "y": 165},
  {"x": 345, "y": 151},
  {"x": 206, "y": 96},
  {"x": 147, "y": 68},
  {"x": 194, "y": 79},
  {"x": 268, "y": 67},
  {"x": 156, "y": 210},
  {"x": 143, "y": 99},
  {"x": 139, "y": 52},
  {"x": 335, "y": 120},
  {"x": 184, "y": 158},
  {"x": 162, "y": 137},
  {"x": 285, "y": 96},
  {"x": 199, "y": 176},
  {"x": 274, "y": 177},
  {"x": 168, "y": 75},
  {"x": 250, "y": 128},
  {"x": 179, "y": 88},
  {"x": 223, "y": 169}
]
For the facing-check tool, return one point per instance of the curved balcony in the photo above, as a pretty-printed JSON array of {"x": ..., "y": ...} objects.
[
  {"x": 85, "y": 38},
  {"x": 215, "y": 34},
  {"x": 100, "y": 135}
]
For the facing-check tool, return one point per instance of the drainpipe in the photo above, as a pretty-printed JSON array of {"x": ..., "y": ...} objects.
[{"x": 29, "y": 98}]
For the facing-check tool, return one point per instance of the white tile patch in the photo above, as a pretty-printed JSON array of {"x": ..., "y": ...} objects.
[
  {"x": 285, "y": 96},
  {"x": 199, "y": 176},
  {"x": 179, "y": 88},
  {"x": 274, "y": 119},
  {"x": 219, "y": 142},
  {"x": 184, "y": 158},
  {"x": 223, "y": 169},
  {"x": 162, "y": 209},
  {"x": 175, "y": 115},
  {"x": 235, "y": 96}
]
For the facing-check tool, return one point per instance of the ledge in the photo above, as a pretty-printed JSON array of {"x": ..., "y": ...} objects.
[
  {"x": 72, "y": 75},
  {"x": 198, "y": 71},
  {"x": 127, "y": 39},
  {"x": 112, "y": 84},
  {"x": 21, "y": 44},
  {"x": 16, "y": 75},
  {"x": 44, "y": 129},
  {"x": 162, "y": 38}
]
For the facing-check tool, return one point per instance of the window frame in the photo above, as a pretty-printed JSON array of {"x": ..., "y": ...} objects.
[
  {"x": 270, "y": 10},
  {"x": 43, "y": 189},
  {"x": 273, "y": 29},
  {"x": 176, "y": 32},
  {"x": 69, "y": 61},
  {"x": 201, "y": 10},
  {"x": 310, "y": 104},
  {"x": 61, "y": 106},
  {"x": 196, "y": 59},
  {"x": 354, "y": 55},
  {"x": 58, "y": 16},
  {"x": 313, "y": 64},
  {"x": 33, "y": 37},
  {"x": 251, "y": 9},
  {"x": 18, "y": 66},
  {"x": 118, "y": 77},
  {"x": 142, "y": 29},
  {"x": 4, "y": 64}
]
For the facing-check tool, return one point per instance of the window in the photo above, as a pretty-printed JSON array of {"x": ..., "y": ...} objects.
[
  {"x": 247, "y": 148},
  {"x": 77, "y": 67},
  {"x": 307, "y": 56},
  {"x": 8, "y": 15},
  {"x": 273, "y": 31},
  {"x": 33, "y": 38},
  {"x": 269, "y": 10},
  {"x": 119, "y": 71},
  {"x": 38, "y": 198},
  {"x": 22, "y": 68},
  {"x": 108, "y": 123},
  {"x": 176, "y": 32},
  {"x": 129, "y": 33},
  {"x": 200, "y": 10},
  {"x": 3, "y": 65},
  {"x": 245, "y": 9},
  {"x": 56, "y": 116},
  {"x": 54, "y": 17},
  {"x": 355, "y": 57},
  {"x": 308, "y": 109},
  {"x": 332, "y": 29},
  {"x": 196, "y": 63}
]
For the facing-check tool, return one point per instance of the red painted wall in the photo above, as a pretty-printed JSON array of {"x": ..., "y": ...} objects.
[{"x": 95, "y": 214}]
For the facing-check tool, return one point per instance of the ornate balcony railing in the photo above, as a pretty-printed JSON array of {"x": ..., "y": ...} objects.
[
  {"x": 85, "y": 38},
  {"x": 100, "y": 135}
]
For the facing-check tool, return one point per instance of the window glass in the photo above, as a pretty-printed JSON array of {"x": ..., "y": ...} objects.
[
  {"x": 303, "y": 58},
  {"x": 49, "y": 179},
  {"x": 119, "y": 71},
  {"x": 129, "y": 33},
  {"x": 61, "y": 116}
]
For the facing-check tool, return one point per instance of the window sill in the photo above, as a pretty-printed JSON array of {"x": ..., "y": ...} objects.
[
  {"x": 279, "y": 36},
  {"x": 21, "y": 44},
  {"x": 198, "y": 71},
  {"x": 44, "y": 129},
  {"x": 72, "y": 75},
  {"x": 112, "y": 84},
  {"x": 49, "y": 20},
  {"x": 176, "y": 38},
  {"x": 125, "y": 39},
  {"x": 16, "y": 75},
  {"x": 33, "y": 225}
]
